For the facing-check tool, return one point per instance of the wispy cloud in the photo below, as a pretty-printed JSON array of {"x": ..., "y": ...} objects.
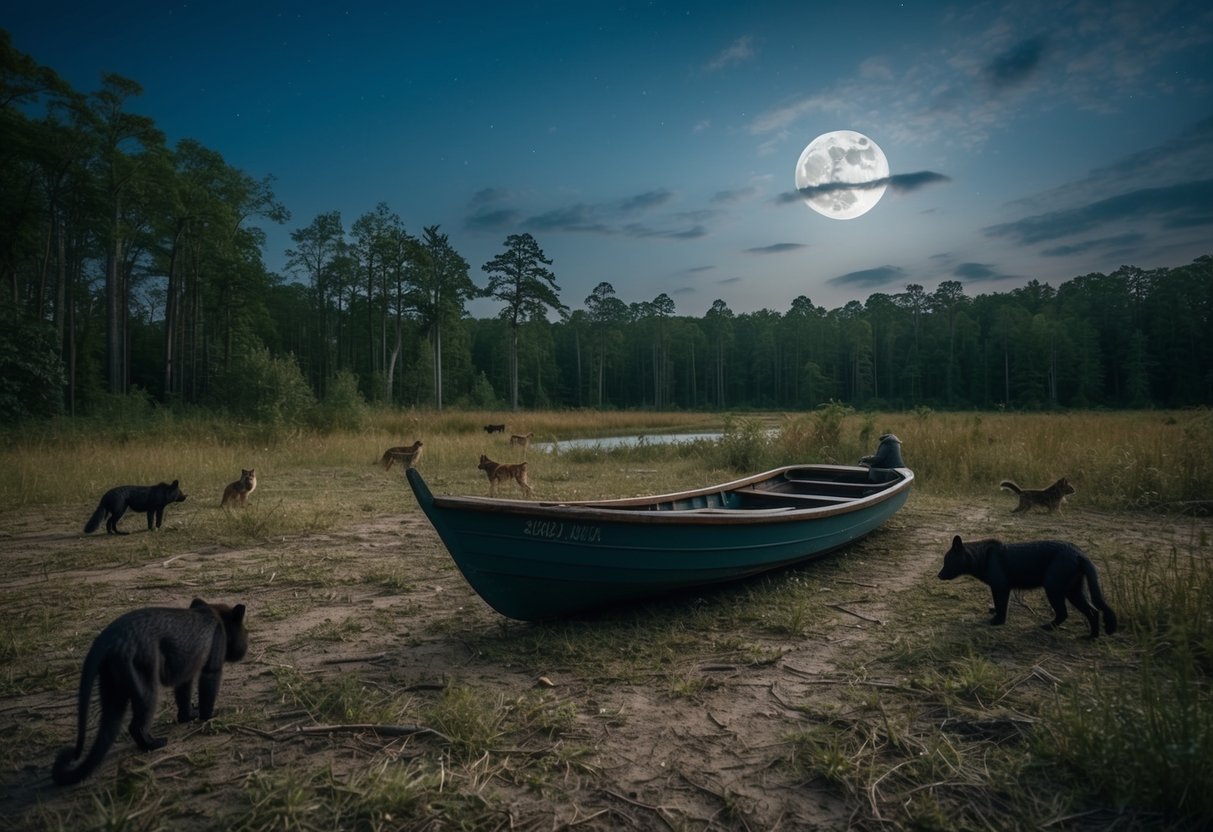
[
  {"x": 1016, "y": 64},
  {"x": 978, "y": 273},
  {"x": 738, "y": 51},
  {"x": 1113, "y": 243},
  {"x": 490, "y": 211},
  {"x": 776, "y": 248},
  {"x": 1185, "y": 205},
  {"x": 733, "y": 196},
  {"x": 870, "y": 278},
  {"x": 900, "y": 182}
]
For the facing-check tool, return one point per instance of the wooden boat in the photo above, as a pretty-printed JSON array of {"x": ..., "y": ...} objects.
[{"x": 535, "y": 560}]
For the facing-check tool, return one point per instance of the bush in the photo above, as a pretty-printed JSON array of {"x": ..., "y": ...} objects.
[
  {"x": 31, "y": 374},
  {"x": 343, "y": 407},
  {"x": 267, "y": 389}
]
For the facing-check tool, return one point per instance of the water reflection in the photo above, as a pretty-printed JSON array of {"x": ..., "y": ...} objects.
[{"x": 610, "y": 443}]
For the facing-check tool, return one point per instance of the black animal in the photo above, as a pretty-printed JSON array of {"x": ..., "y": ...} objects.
[
  {"x": 136, "y": 654},
  {"x": 150, "y": 498},
  {"x": 1057, "y": 566},
  {"x": 494, "y": 428}
]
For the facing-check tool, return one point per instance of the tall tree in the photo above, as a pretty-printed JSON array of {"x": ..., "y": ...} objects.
[
  {"x": 607, "y": 314},
  {"x": 316, "y": 248},
  {"x": 442, "y": 290},
  {"x": 520, "y": 278},
  {"x": 127, "y": 144}
]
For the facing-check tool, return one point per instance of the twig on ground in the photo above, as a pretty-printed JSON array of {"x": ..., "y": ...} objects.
[{"x": 856, "y": 614}]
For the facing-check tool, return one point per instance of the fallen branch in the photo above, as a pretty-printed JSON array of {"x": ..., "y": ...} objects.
[
  {"x": 856, "y": 614},
  {"x": 382, "y": 730}
]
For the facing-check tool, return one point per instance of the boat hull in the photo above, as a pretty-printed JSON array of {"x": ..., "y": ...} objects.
[{"x": 534, "y": 561}]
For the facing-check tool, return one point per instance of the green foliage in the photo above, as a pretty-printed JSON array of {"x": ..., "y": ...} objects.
[
  {"x": 31, "y": 374},
  {"x": 343, "y": 408},
  {"x": 266, "y": 389},
  {"x": 745, "y": 444}
]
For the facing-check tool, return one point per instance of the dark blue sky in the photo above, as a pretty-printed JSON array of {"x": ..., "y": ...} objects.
[{"x": 653, "y": 145}]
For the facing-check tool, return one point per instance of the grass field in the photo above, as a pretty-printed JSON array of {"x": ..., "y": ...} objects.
[{"x": 855, "y": 692}]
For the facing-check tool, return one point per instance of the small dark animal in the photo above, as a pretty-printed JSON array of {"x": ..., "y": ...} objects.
[
  {"x": 406, "y": 455},
  {"x": 1057, "y": 566},
  {"x": 1049, "y": 498},
  {"x": 136, "y": 654},
  {"x": 494, "y": 428},
  {"x": 150, "y": 498},
  {"x": 239, "y": 490},
  {"x": 504, "y": 472}
]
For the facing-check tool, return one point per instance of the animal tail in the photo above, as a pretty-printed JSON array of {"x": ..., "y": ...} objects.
[
  {"x": 1010, "y": 486},
  {"x": 107, "y": 731},
  {"x": 1109, "y": 617},
  {"x": 95, "y": 520}
]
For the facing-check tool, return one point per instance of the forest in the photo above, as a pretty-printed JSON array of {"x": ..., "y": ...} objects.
[{"x": 134, "y": 267}]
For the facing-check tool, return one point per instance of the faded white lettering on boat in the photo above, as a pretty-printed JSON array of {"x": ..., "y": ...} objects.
[{"x": 555, "y": 530}]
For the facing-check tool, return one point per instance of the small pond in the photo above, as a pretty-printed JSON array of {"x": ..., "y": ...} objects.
[{"x": 608, "y": 443}]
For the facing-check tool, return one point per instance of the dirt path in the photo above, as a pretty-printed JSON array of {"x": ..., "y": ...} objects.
[{"x": 700, "y": 740}]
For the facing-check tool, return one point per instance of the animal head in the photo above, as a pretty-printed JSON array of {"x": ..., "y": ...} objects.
[
  {"x": 962, "y": 558},
  {"x": 485, "y": 463},
  {"x": 248, "y": 475},
  {"x": 1064, "y": 486},
  {"x": 233, "y": 626},
  {"x": 173, "y": 493}
]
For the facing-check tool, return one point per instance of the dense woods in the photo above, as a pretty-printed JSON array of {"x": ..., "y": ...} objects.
[{"x": 132, "y": 265}]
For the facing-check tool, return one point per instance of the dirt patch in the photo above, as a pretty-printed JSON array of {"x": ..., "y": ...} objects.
[{"x": 681, "y": 716}]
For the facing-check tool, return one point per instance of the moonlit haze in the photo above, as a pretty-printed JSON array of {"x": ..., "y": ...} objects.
[{"x": 652, "y": 145}]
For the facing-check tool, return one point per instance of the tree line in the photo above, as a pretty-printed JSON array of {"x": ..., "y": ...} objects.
[{"x": 129, "y": 264}]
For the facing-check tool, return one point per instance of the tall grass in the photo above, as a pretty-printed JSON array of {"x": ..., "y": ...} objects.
[
  {"x": 1146, "y": 738},
  {"x": 1126, "y": 460}
]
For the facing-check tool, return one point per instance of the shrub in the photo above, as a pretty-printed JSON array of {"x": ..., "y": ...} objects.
[{"x": 343, "y": 407}]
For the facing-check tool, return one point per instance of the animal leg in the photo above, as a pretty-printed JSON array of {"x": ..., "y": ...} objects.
[
  {"x": 153, "y": 516},
  {"x": 208, "y": 692},
  {"x": 1001, "y": 597},
  {"x": 185, "y": 711},
  {"x": 1079, "y": 599},
  {"x": 1057, "y": 600},
  {"x": 111, "y": 525},
  {"x": 143, "y": 709}
]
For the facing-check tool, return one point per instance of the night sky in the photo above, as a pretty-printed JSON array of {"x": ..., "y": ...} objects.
[{"x": 654, "y": 145}]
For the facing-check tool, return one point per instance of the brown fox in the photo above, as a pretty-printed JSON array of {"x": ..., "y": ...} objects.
[
  {"x": 500, "y": 472},
  {"x": 239, "y": 490},
  {"x": 1049, "y": 498},
  {"x": 407, "y": 455},
  {"x": 522, "y": 439}
]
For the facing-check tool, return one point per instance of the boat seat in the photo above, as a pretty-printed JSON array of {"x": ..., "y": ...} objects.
[{"x": 775, "y": 496}]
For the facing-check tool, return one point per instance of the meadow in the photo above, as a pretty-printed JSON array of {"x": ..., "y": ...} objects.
[{"x": 858, "y": 691}]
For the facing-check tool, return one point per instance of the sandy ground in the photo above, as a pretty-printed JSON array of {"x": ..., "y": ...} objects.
[{"x": 713, "y": 759}]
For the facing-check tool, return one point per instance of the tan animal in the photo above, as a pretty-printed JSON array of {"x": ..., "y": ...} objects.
[
  {"x": 522, "y": 439},
  {"x": 406, "y": 455},
  {"x": 1049, "y": 498},
  {"x": 241, "y": 488},
  {"x": 499, "y": 472}
]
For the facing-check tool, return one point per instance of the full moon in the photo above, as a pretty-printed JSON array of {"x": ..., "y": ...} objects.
[{"x": 837, "y": 160}]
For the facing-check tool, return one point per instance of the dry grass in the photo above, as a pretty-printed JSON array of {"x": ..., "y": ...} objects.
[{"x": 860, "y": 692}]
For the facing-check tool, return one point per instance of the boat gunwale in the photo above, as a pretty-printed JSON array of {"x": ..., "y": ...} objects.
[{"x": 615, "y": 510}]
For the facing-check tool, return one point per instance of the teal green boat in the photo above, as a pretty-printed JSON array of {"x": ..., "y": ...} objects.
[{"x": 536, "y": 560}]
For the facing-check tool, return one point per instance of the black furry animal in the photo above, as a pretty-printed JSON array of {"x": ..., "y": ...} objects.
[
  {"x": 494, "y": 428},
  {"x": 150, "y": 498},
  {"x": 1057, "y": 566},
  {"x": 136, "y": 654}
]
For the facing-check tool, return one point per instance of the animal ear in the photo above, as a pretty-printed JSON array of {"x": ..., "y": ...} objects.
[
  {"x": 956, "y": 541},
  {"x": 238, "y": 614},
  {"x": 175, "y": 483},
  {"x": 198, "y": 603}
]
